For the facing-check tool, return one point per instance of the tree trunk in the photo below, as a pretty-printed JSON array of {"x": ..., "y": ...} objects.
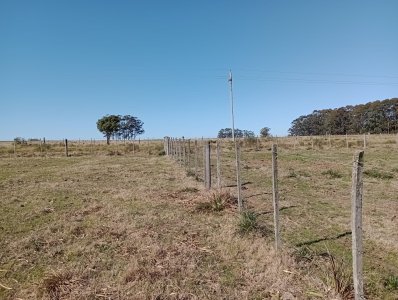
[{"x": 107, "y": 139}]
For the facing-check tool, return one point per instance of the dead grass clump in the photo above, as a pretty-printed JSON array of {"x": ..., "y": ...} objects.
[
  {"x": 340, "y": 277},
  {"x": 189, "y": 190},
  {"x": 113, "y": 153},
  {"x": 216, "y": 201},
  {"x": 57, "y": 285}
]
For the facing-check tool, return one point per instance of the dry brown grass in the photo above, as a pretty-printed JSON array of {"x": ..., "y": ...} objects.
[{"x": 127, "y": 227}]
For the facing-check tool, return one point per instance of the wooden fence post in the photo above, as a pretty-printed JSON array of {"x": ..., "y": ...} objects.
[
  {"x": 189, "y": 154},
  {"x": 184, "y": 155},
  {"x": 172, "y": 147},
  {"x": 66, "y": 148},
  {"x": 15, "y": 148},
  {"x": 356, "y": 216},
  {"x": 238, "y": 182},
  {"x": 204, "y": 161},
  {"x": 364, "y": 141},
  {"x": 275, "y": 195},
  {"x": 207, "y": 165},
  {"x": 196, "y": 157},
  {"x": 218, "y": 164}
]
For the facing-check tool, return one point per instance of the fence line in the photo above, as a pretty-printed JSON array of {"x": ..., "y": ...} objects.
[{"x": 356, "y": 195}]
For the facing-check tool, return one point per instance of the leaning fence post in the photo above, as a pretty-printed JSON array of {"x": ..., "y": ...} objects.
[
  {"x": 356, "y": 224},
  {"x": 66, "y": 147},
  {"x": 218, "y": 164},
  {"x": 275, "y": 195}
]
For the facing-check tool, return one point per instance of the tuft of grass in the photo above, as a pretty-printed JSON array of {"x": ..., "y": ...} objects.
[
  {"x": 378, "y": 174},
  {"x": 391, "y": 283},
  {"x": 57, "y": 285},
  {"x": 341, "y": 278},
  {"x": 191, "y": 173},
  {"x": 332, "y": 173},
  {"x": 189, "y": 190},
  {"x": 217, "y": 201},
  {"x": 247, "y": 222}
]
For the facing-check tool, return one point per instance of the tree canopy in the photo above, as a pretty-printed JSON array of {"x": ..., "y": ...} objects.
[
  {"x": 372, "y": 117},
  {"x": 227, "y": 133},
  {"x": 120, "y": 127},
  {"x": 265, "y": 132}
]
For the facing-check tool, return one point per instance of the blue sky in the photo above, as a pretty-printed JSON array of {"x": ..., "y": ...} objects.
[{"x": 64, "y": 64}]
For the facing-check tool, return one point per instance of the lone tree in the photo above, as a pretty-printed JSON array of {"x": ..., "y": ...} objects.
[
  {"x": 130, "y": 127},
  {"x": 265, "y": 132},
  {"x": 109, "y": 125},
  {"x": 121, "y": 127}
]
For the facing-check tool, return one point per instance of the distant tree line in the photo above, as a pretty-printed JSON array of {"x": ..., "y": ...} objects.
[
  {"x": 227, "y": 133},
  {"x": 372, "y": 117},
  {"x": 120, "y": 127}
]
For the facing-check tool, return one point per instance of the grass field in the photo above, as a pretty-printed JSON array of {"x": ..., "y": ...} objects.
[{"x": 109, "y": 224}]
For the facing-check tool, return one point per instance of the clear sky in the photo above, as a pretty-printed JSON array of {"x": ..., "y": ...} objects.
[{"x": 64, "y": 64}]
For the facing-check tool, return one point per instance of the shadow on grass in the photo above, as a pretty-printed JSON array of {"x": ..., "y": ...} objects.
[
  {"x": 271, "y": 211},
  {"x": 330, "y": 238},
  {"x": 259, "y": 194}
]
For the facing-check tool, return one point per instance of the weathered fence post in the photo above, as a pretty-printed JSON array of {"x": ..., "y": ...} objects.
[
  {"x": 218, "y": 164},
  {"x": 181, "y": 148},
  {"x": 275, "y": 195},
  {"x": 15, "y": 148},
  {"x": 196, "y": 158},
  {"x": 364, "y": 141},
  {"x": 66, "y": 148},
  {"x": 238, "y": 182},
  {"x": 184, "y": 155},
  {"x": 208, "y": 165},
  {"x": 356, "y": 216},
  {"x": 189, "y": 153},
  {"x": 204, "y": 162},
  {"x": 330, "y": 142}
]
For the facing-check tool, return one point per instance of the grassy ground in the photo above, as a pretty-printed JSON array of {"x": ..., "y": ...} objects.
[{"x": 122, "y": 226}]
